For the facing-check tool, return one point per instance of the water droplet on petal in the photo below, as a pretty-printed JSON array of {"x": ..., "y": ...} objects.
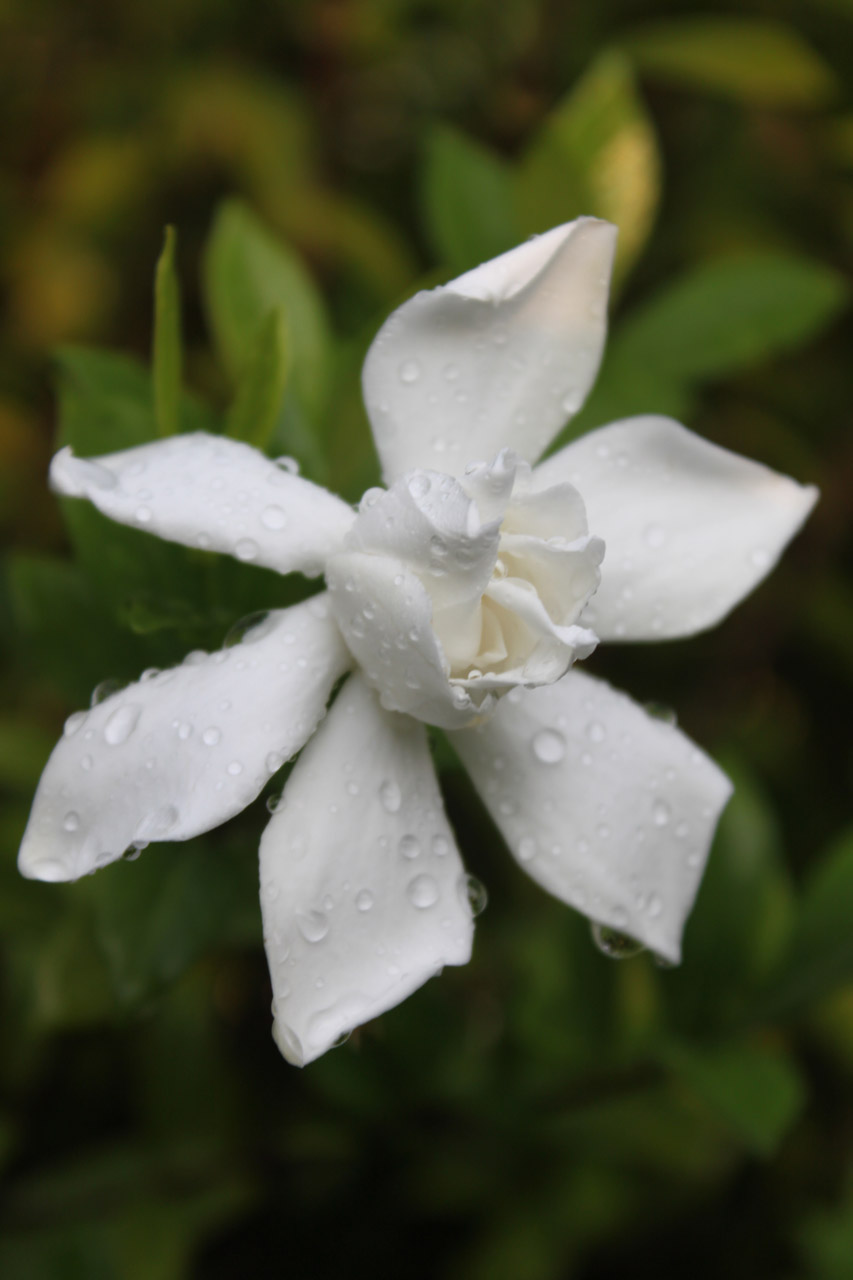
[
  {"x": 71, "y": 821},
  {"x": 274, "y": 802},
  {"x": 122, "y": 723},
  {"x": 246, "y": 549},
  {"x": 235, "y": 768},
  {"x": 658, "y": 711},
  {"x": 419, "y": 485},
  {"x": 422, "y": 892},
  {"x": 74, "y": 722},
  {"x": 390, "y": 797},
  {"x": 654, "y": 905},
  {"x": 661, "y": 813},
  {"x": 596, "y": 731},
  {"x": 313, "y": 925},
  {"x": 211, "y": 736},
  {"x": 273, "y": 517},
  {"x": 251, "y": 629},
  {"x": 548, "y": 746},
  {"x": 760, "y": 558},
  {"x": 409, "y": 846},
  {"x": 473, "y": 894},
  {"x": 440, "y": 846},
  {"x": 105, "y": 690},
  {"x": 290, "y": 465},
  {"x": 527, "y": 848},
  {"x": 364, "y": 900},
  {"x": 615, "y": 945},
  {"x": 143, "y": 515},
  {"x": 409, "y": 371}
]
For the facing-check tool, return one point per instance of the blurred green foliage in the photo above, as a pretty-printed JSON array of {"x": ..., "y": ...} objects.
[{"x": 544, "y": 1112}]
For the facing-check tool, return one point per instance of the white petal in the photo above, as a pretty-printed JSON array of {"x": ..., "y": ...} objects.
[
  {"x": 503, "y": 356},
  {"x": 362, "y": 888},
  {"x": 385, "y": 614},
  {"x": 214, "y": 493},
  {"x": 177, "y": 754},
  {"x": 608, "y": 809},
  {"x": 690, "y": 528}
]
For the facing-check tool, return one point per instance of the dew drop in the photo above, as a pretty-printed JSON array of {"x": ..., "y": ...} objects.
[
  {"x": 143, "y": 515},
  {"x": 313, "y": 925},
  {"x": 274, "y": 802},
  {"x": 419, "y": 485},
  {"x": 422, "y": 892},
  {"x": 473, "y": 894},
  {"x": 74, "y": 722},
  {"x": 409, "y": 846},
  {"x": 364, "y": 900},
  {"x": 527, "y": 848},
  {"x": 659, "y": 711},
  {"x": 440, "y": 846},
  {"x": 409, "y": 371},
  {"x": 654, "y": 906},
  {"x": 122, "y": 723},
  {"x": 250, "y": 629},
  {"x": 759, "y": 558},
  {"x": 596, "y": 731},
  {"x": 273, "y": 518},
  {"x": 390, "y": 797},
  {"x": 105, "y": 690},
  {"x": 246, "y": 549},
  {"x": 211, "y": 736},
  {"x": 661, "y": 813},
  {"x": 548, "y": 746},
  {"x": 71, "y": 821},
  {"x": 290, "y": 465},
  {"x": 273, "y": 762},
  {"x": 235, "y": 768},
  {"x": 615, "y": 945}
]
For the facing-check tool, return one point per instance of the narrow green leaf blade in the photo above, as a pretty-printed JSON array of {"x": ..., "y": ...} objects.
[
  {"x": 256, "y": 407},
  {"x": 467, "y": 200},
  {"x": 168, "y": 352}
]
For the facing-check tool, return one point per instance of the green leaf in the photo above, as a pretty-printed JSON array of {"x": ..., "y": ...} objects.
[
  {"x": 820, "y": 954},
  {"x": 106, "y": 401},
  {"x": 257, "y": 405},
  {"x": 717, "y": 319},
  {"x": 155, "y": 916},
  {"x": 247, "y": 274},
  {"x": 753, "y": 60},
  {"x": 597, "y": 153},
  {"x": 168, "y": 354},
  {"x": 467, "y": 200},
  {"x": 24, "y": 749},
  {"x": 758, "y": 1091}
]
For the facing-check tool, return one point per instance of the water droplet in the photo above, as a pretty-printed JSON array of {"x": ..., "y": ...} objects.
[
  {"x": 364, "y": 900},
  {"x": 409, "y": 846},
  {"x": 596, "y": 731},
  {"x": 615, "y": 945},
  {"x": 475, "y": 674},
  {"x": 390, "y": 797},
  {"x": 105, "y": 690},
  {"x": 211, "y": 736},
  {"x": 422, "y": 892},
  {"x": 274, "y": 761},
  {"x": 473, "y": 893},
  {"x": 548, "y": 746},
  {"x": 658, "y": 711},
  {"x": 157, "y": 824},
  {"x": 183, "y": 730},
  {"x": 500, "y": 569},
  {"x": 654, "y": 536},
  {"x": 273, "y": 518},
  {"x": 419, "y": 485},
  {"x": 86, "y": 763},
  {"x": 527, "y": 848},
  {"x": 760, "y": 558},
  {"x": 290, "y": 465},
  {"x": 313, "y": 925},
  {"x": 143, "y": 515},
  {"x": 274, "y": 802},
  {"x": 246, "y": 549},
  {"x": 370, "y": 498},
  {"x": 654, "y": 905},
  {"x": 251, "y": 629},
  {"x": 122, "y": 723},
  {"x": 74, "y": 722},
  {"x": 571, "y": 400},
  {"x": 71, "y": 821},
  {"x": 409, "y": 371},
  {"x": 661, "y": 813},
  {"x": 235, "y": 768},
  {"x": 440, "y": 846}
]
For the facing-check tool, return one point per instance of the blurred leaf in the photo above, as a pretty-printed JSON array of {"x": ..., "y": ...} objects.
[
  {"x": 106, "y": 401},
  {"x": 754, "y": 60},
  {"x": 820, "y": 954},
  {"x": 257, "y": 404},
  {"x": 826, "y": 1239},
  {"x": 596, "y": 154},
  {"x": 59, "y": 973},
  {"x": 742, "y": 915},
  {"x": 717, "y": 319},
  {"x": 154, "y": 917},
  {"x": 758, "y": 1091},
  {"x": 167, "y": 340},
  {"x": 248, "y": 273},
  {"x": 467, "y": 200},
  {"x": 68, "y": 633}
]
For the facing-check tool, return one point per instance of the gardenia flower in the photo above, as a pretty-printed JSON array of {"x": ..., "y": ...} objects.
[{"x": 461, "y": 596}]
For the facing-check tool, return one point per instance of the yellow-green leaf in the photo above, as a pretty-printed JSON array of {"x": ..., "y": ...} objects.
[
  {"x": 257, "y": 405},
  {"x": 597, "y": 154}
]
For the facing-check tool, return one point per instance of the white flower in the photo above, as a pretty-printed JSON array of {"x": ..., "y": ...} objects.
[{"x": 458, "y": 596}]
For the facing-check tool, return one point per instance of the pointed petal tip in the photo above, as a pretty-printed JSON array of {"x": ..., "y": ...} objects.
[{"x": 34, "y": 866}]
